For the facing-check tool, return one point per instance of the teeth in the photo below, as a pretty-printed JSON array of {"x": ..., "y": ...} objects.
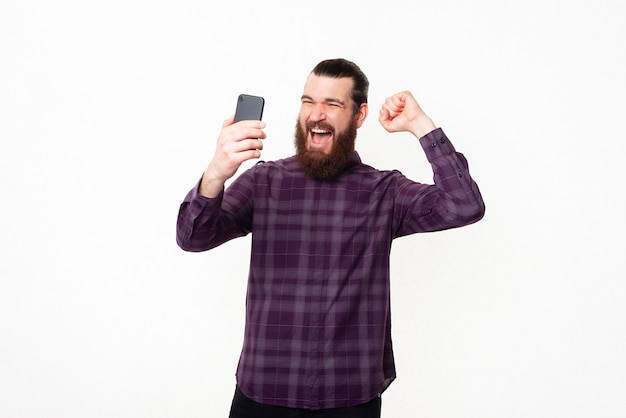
[{"x": 319, "y": 131}]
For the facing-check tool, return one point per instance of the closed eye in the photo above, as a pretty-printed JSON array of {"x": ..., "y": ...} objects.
[{"x": 330, "y": 102}]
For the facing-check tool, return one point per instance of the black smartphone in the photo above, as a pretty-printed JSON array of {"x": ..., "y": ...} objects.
[{"x": 249, "y": 107}]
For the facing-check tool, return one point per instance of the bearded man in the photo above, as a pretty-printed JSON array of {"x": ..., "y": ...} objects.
[{"x": 318, "y": 329}]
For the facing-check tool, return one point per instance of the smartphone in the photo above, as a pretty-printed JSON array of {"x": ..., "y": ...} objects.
[{"x": 249, "y": 107}]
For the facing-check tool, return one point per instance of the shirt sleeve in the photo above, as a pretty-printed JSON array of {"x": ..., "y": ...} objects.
[
  {"x": 453, "y": 200},
  {"x": 205, "y": 223}
]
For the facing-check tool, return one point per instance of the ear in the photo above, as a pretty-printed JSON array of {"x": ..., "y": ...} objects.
[{"x": 361, "y": 114}]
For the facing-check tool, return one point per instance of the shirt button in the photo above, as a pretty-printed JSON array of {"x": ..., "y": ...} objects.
[
  {"x": 434, "y": 145},
  {"x": 442, "y": 140},
  {"x": 196, "y": 203}
]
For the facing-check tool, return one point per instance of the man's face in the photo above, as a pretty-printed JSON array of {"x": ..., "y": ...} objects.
[{"x": 326, "y": 128}]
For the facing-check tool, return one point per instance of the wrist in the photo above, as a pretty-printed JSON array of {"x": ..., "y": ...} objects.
[
  {"x": 422, "y": 126},
  {"x": 211, "y": 185}
]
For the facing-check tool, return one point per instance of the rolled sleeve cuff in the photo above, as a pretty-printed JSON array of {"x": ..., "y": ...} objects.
[
  {"x": 436, "y": 144},
  {"x": 199, "y": 203}
]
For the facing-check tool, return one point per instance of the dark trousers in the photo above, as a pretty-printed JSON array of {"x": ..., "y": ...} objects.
[{"x": 244, "y": 407}]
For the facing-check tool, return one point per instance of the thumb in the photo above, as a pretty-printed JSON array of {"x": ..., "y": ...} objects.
[
  {"x": 384, "y": 117},
  {"x": 228, "y": 121}
]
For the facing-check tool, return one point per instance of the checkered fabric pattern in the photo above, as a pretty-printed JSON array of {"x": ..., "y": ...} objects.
[{"x": 318, "y": 324}]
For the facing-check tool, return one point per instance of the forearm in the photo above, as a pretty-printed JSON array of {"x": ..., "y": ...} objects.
[
  {"x": 460, "y": 201},
  {"x": 207, "y": 222},
  {"x": 196, "y": 224}
]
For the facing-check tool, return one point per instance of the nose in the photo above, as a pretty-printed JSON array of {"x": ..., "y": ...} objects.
[{"x": 317, "y": 113}]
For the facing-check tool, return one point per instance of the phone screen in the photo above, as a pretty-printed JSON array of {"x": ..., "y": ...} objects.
[{"x": 249, "y": 107}]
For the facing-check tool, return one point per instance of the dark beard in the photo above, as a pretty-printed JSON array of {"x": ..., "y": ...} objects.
[{"x": 322, "y": 166}]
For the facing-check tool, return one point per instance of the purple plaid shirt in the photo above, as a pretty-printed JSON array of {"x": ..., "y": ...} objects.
[{"x": 318, "y": 327}]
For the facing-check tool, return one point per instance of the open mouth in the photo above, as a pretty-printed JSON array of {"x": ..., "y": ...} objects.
[{"x": 320, "y": 136}]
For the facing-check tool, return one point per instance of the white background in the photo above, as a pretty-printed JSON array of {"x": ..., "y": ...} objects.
[{"x": 109, "y": 111}]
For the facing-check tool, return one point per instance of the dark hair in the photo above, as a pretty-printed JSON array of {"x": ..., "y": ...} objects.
[{"x": 339, "y": 68}]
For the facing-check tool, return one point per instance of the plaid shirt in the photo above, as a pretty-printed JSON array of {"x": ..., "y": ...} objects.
[{"x": 317, "y": 332}]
